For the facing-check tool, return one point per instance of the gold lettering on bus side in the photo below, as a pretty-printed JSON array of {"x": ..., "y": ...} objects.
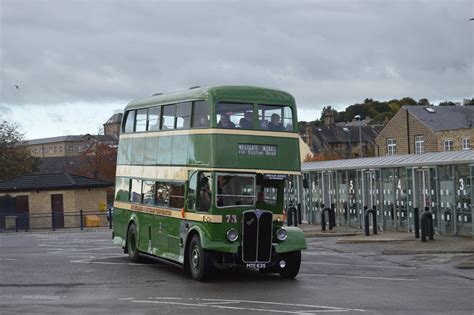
[{"x": 151, "y": 210}]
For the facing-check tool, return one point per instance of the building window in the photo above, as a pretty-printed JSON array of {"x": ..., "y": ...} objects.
[
  {"x": 419, "y": 144},
  {"x": 391, "y": 146},
  {"x": 71, "y": 148},
  {"x": 466, "y": 144},
  {"x": 448, "y": 145}
]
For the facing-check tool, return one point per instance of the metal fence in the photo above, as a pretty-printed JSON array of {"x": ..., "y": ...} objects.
[{"x": 56, "y": 221}]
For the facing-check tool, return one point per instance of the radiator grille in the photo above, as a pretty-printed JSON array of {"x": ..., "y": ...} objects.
[{"x": 257, "y": 236}]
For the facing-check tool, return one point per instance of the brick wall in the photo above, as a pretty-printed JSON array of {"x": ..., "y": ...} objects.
[
  {"x": 456, "y": 136},
  {"x": 73, "y": 201},
  {"x": 397, "y": 129}
]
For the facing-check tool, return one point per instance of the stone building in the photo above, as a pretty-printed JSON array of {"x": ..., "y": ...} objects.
[
  {"x": 66, "y": 146},
  {"x": 112, "y": 126},
  {"x": 36, "y": 198},
  {"x": 421, "y": 129},
  {"x": 346, "y": 140}
]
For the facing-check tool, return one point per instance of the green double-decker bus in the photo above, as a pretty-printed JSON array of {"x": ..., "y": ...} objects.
[{"x": 201, "y": 178}]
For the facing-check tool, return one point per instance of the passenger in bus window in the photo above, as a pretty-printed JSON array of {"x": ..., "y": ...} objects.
[
  {"x": 204, "y": 195},
  {"x": 246, "y": 122},
  {"x": 225, "y": 122},
  {"x": 203, "y": 122},
  {"x": 275, "y": 124}
]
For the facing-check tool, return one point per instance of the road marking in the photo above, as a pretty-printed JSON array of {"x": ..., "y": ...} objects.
[
  {"x": 34, "y": 297},
  {"x": 8, "y": 259},
  {"x": 365, "y": 266},
  {"x": 126, "y": 299},
  {"x": 358, "y": 277},
  {"x": 73, "y": 250},
  {"x": 249, "y": 308},
  {"x": 92, "y": 261}
]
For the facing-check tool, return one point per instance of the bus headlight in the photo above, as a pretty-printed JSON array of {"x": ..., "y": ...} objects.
[
  {"x": 282, "y": 234},
  {"x": 232, "y": 235}
]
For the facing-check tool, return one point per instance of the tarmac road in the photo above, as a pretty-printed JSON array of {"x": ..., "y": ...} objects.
[{"x": 82, "y": 272}]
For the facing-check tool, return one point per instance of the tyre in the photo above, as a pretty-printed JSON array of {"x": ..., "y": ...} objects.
[
  {"x": 199, "y": 261},
  {"x": 132, "y": 243},
  {"x": 293, "y": 263}
]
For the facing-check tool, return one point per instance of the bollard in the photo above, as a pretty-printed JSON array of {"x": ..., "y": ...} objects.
[
  {"x": 16, "y": 223},
  {"x": 367, "y": 221},
  {"x": 332, "y": 215},
  {"x": 110, "y": 217},
  {"x": 330, "y": 219},
  {"x": 81, "y": 220},
  {"x": 426, "y": 225},
  {"x": 53, "y": 221},
  {"x": 27, "y": 224},
  {"x": 291, "y": 216},
  {"x": 416, "y": 221},
  {"x": 299, "y": 214}
]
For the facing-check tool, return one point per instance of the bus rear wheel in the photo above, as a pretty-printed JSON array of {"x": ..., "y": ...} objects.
[
  {"x": 199, "y": 261},
  {"x": 132, "y": 243},
  {"x": 292, "y": 265}
]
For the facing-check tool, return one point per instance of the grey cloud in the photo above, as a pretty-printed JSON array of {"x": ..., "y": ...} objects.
[{"x": 323, "y": 52}]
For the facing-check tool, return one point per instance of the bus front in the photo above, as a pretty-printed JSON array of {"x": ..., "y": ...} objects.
[{"x": 254, "y": 149}]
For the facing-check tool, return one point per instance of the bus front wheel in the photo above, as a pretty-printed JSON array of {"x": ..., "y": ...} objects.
[
  {"x": 199, "y": 261},
  {"x": 292, "y": 265},
  {"x": 132, "y": 243}
]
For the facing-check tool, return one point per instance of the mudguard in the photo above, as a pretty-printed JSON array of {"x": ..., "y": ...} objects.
[{"x": 294, "y": 241}]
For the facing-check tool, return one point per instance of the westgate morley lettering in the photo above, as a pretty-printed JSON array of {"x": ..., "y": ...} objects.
[{"x": 257, "y": 149}]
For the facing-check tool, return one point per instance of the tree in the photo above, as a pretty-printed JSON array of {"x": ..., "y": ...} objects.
[
  {"x": 323, "y": 156},
  {"x": 15, "y": 159},
  {"x": 99, "y": 162},
  {"x": 424, "y": 102}
]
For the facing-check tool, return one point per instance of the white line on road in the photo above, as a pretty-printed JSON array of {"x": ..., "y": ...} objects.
[
  {"x": 34, "y": 297},
  {"x": 329, "y": 309},
  {"x": 364, "y": 266},
  {"x": 358, "y": 277},
  {"x": 8, "y": 259}
]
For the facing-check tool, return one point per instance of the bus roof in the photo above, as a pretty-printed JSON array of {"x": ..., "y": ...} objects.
[{"x": 215, "y": 92}]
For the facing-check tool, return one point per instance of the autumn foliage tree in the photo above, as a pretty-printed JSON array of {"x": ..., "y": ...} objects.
[
  {"x": 15, "y": 159},
  {"x": 99, "y": 162},
  {"x": 323, "y": 156}
]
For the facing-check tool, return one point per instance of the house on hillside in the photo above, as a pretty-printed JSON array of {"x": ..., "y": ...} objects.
[
  {"x": 35, "y": 199},
  {"x": 344, "y": 141},
  {"x": 420, "y": 129}
]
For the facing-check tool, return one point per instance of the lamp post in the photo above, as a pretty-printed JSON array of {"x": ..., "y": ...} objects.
[{"x": 357, "y": 117}]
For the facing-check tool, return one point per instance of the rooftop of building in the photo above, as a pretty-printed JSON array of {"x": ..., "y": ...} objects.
[{"x": 32, "y": 182}]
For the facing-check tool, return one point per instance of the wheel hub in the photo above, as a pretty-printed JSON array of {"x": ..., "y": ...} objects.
[{"x": 195, "y": 258}]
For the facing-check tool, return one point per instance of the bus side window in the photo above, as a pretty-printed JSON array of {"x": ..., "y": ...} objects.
[
  {"x": 192, "y": 186},
  {"x": 183, "y": 115},
  {"x": 129, "y": 122},
  {"x": 154, "y": 118},
  {"x": 200, "y": 114}
]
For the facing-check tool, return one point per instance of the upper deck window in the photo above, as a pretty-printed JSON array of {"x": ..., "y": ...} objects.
[
  {"x": 235, "y": 115},
  {"x": 141, "y": 120},
  {"x": 276, "y": 118},
  {"x": 168, "y": 119},
  {"x": 200, "y": 114},
  {"x": 183, "y": 115},
  {"x": 154, "y": 118},
  {"x": 129, "y": 121}
]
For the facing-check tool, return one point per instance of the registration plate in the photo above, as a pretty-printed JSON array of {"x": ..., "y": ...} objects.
[{"x": 256, "y": 266}]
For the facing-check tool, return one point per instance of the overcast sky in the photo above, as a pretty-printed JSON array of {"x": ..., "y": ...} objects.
[{"x": 75, "y": 62}]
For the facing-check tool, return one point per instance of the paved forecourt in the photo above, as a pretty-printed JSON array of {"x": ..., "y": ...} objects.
[{"x": 84, "y": 272}]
